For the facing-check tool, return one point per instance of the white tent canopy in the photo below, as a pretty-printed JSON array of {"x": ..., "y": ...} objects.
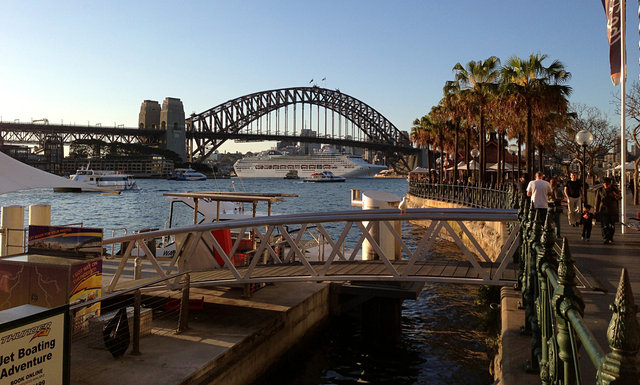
[
  {"x": 628, "y": 166},
  {"x": 473, "y": 165},
  {"x": 460, "y": 164},
  {"x": 419, "y": 169},
  {"x": 16, "y": 176},
  {"x": 507, "y": 167}
]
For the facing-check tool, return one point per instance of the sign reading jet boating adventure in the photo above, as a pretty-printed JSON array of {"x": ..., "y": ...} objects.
[
  {"x": 33, "y": 349},
  {"x": 65, "y": 241}
]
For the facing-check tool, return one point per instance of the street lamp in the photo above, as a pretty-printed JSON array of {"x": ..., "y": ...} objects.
[
  {"x": 474, "y": 154},
  {"x": 584, "y": 138}
]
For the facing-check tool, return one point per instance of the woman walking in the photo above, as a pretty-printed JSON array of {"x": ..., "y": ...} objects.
[{"x": 607, "y": 210}]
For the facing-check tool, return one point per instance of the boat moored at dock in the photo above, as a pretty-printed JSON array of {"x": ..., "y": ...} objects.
[
  {"x": 324, "y": 177},
  {"x": 186, "y": 174},
  {"x": 108, "y": 180}
]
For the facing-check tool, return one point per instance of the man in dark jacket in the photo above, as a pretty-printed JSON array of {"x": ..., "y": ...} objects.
[{"x": 607, "y": 210}]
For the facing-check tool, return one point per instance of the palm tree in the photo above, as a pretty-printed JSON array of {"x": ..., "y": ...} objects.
[
  {"x": 478, "y": 82},
  {"x": 422, "y": 136},
  {"x": 535, "y": 91}
]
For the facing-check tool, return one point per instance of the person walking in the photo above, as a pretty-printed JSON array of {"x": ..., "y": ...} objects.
[
  {"x": 557, "y": 195},
  {"x": 523, "y": 183},
  {"x": 572, "y": 190},
  {"x": 606, "y": 209},
  {"x": 540, "y": 192},
  {"x": 587, "y": 222}
]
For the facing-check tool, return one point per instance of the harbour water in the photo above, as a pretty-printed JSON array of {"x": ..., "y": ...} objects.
[{"x": 441, "y": 342}]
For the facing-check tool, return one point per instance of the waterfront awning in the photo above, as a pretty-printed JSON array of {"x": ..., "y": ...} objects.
[
  {"x": 506, "y": 167},
  {"x": 460, "y": 164},
  {"x": 628, "y": 166},
  {"x": 16, "y": 176},
  {"x": 473, "y": 165}
]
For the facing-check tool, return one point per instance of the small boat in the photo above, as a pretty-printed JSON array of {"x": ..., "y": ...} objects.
[
  {"x": 292, "y": 174},
  {"x": 324, "y": 177},
  {"x": 186, "y": 174},
  {"x": 108, "y": 180}
]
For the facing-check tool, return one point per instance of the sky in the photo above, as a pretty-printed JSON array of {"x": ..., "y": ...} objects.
[{"x": 95, "y": 62}]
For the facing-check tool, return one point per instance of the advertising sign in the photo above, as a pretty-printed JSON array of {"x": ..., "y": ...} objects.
[
  {"x": 34, "y": 349},
  {"x": 65, "y": 241}
]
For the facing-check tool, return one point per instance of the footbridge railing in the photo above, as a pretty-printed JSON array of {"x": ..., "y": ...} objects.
[
  {"x": 554, "y": 312},
  {"x": 279, "y": 254}
]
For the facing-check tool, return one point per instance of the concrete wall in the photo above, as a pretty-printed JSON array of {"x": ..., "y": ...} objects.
[
  {"x": 247, "y": 361},
  {"x": 490, "y": 235}
]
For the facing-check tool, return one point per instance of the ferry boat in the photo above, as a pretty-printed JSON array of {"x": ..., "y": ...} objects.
[
  {"x": 273, "y": 164},
  {"x": 324, "y": 177},
  {"x": 108, "y": 180},
  {"x": 188, "y": 174}
]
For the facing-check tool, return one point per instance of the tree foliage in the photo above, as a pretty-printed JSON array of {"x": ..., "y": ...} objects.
[{"x": 592, "y": 120}]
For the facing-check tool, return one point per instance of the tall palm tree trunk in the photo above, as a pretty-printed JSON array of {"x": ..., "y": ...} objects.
[
  {"x": 529, "y": 144},
  {"x": 499, "y": 168},
  {"x": 467, "y": 148},
  {"x": 455, "y": 151},
  {"x": 541, "y": 157},
  {"x": 482, "y": 147}
]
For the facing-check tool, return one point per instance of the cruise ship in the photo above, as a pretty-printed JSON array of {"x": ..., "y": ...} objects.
[{"x": 273, "y": 164}]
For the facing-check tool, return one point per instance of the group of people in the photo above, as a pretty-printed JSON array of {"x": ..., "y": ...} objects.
[{"x": 547, "y": 194}]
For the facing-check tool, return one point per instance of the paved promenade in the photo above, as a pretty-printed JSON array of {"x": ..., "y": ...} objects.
[{"x": 602, "y": 265}]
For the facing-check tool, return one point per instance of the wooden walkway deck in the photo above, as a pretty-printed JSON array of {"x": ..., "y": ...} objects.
[{"x": 451, "y": 271}]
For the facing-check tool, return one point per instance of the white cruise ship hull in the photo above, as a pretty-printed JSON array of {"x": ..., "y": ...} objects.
[{"x": 277, "y": 166}]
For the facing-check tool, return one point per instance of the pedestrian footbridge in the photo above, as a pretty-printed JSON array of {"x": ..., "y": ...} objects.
[{"x": 323, "y": 247}]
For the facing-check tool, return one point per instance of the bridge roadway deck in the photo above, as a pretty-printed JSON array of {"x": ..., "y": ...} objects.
[{"x": 602, "y": 265}]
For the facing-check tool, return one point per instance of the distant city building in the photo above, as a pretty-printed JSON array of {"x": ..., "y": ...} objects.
[
  {"x": 149, "y": 166},
  {"x": 309, "y": 148}
]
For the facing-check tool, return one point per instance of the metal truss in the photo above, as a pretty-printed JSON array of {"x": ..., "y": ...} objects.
[
  {"x": 230, "y": 120},
  {"x": 283, "y": 258},
  {"x": 32, "y": 133}
]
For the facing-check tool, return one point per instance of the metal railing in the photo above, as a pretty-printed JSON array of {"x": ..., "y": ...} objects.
[
  {"x": 484, "y": 196},
  {"x": 554, "y": 312},
  {"x": 344, "y": 237},
  {"x": 158, "y": 312}
]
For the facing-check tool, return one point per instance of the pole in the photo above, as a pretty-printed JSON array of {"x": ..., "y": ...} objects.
[
  {"x": 623, "y": 146},
  {"x": 583, "y": 201}
]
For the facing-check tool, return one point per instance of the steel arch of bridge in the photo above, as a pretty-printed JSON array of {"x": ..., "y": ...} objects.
[{"x": 210, "y": 129}]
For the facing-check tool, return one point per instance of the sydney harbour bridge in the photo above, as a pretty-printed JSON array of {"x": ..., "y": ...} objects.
[{"x": 298, "y": 114}]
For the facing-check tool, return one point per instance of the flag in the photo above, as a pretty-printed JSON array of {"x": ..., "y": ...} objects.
[
  {"x": 612, "y": 11},
  {"x": 311, "y": 81},
  {"x": 323, "y": 79}
]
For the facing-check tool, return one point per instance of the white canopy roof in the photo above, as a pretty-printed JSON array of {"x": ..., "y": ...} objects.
[
  {"x": 507, "y": 166},
  {"x": 628, "y": 166},
  {"x": 15, "y": 176},
  {"x": 419, "y": 169},
  {"x": 460, "y": 164},
  {"x": 473, "y": 165}
]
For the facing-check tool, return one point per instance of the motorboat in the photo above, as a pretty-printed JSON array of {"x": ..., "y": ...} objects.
[
  {"x": 324, "y": 177},
  {"x": 292, "y": 174},
  {"x": 107, "y": 180},
  {"x": 187, "y": 174}
]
